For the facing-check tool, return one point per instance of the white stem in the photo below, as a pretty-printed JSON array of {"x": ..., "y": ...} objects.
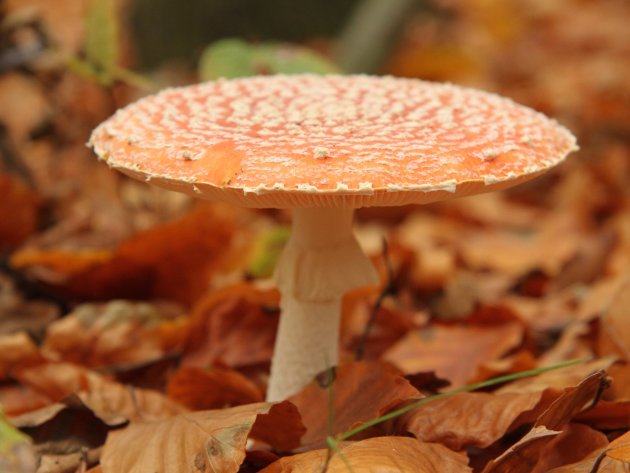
[{"x": 322, "y": 260}]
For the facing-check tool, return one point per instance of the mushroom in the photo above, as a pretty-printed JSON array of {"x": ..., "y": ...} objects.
[{"x": 323, "y": 146}]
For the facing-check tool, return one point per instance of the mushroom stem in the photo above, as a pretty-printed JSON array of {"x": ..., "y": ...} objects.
[{"x": 321, "y": 262}]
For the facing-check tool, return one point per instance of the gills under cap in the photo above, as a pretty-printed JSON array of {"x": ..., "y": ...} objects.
[{"x": 335, "y": 141}]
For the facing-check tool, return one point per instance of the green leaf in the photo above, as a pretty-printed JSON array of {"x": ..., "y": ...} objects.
[
  {"x": 16, "y": 451},
  {"x": 266, "y": 251},
  {"x": 233, "y": 57},
  {"x": 282, "y": 58},
  {"x": 101, "y": 44},
  {"x": 227, "y": 58}
]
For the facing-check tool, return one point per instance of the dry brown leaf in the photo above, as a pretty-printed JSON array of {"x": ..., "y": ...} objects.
[
  {"x": 236, "y": 325},
  {"x": 212, "y": 388},
  {"x": 557, "y": 379},
  {"x": 619, "y": 449},
  {"x": 379, "y": 454},
  {"x": 63, "y": 428},
  {"x": 524, "y": 455},
  {"x": 573, "y": 401},
  {"x": 196, "y": 442},
  {"x": 518, "y": 458},
  {"x": 17, "y": 351},
  {"x": 548, "y": 247},
  {"x": 574, "y": 443},
  {"x": 281, "y": 427},
  {"x": 16, "y": 225},
  {"x": 614, "y": 334},
  {"x": 17, "y": 399},
  {"x": 492, "y": 209},
  {"x": 66, "y": 263},
  {"x": 173, "y": 261},
  {"x": 361, "y": 391},
  {"x": 607, "y": 415},
  {"x": 110, "y": 401},
  {"x": 600, "y": 461},
  {"x": 454, "y": 353},
  {"x": 114, "y": 333},
  {"x": 467, "y": 419}
]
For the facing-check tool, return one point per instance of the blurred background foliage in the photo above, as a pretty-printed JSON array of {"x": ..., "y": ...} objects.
[{"x": 66, "y": 65}]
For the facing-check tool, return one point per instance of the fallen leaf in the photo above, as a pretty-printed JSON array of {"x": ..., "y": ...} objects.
[
  {"x": 614, "y": 334},
  {"x": 113, "y": 333},
  {"x": 110, "y": 401},
  {"x": 525, "y": 454},
  {"x": 547, "y": 247},
  {"x": 17, "y": 399},
  {"x": 206, "y": 440},
  {"x": 17, "y": 454},
  {"x": 379, "y": 454},
  {"x": 235, "y": 325},
  {"x": 574, "y": 443},
  {"x": 607, "y": 415},
  {"x": 281, "y": 427},
  {"x": 65, "y": 427},
  {"x": 16, "y": 227},
  {"x": 559, "y": 378},
  {"x": 467, "y": 419},
  {"x": 17, "y": 351},
  {"x": 573, "y": 400},
  {"x": 212, "y": 388},
  {"x": 454, "y": 353},
  {"x": 619, "y": 449},
  {"x": 173, "y": 261},
  {"x": 599, "y": 461},
  {"x": 361, "y": 391},
  {"x": 518, "y": 458}
]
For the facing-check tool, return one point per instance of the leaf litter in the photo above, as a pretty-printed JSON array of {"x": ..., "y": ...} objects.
[{"x": 136, "y": 327}]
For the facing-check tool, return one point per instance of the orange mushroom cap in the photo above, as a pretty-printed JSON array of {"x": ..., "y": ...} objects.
[{"x": 336, "y": 141}]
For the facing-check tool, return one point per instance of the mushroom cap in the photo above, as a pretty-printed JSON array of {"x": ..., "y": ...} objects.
[{"x": 335, "y": 141}]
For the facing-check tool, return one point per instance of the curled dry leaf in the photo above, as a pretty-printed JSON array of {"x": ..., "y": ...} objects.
[
  {"x": 361, "y": 390},
  {"x": 467, "y": 419},
  {"x": 195, "y": 442},
  {"x": 115, "y": 333},
  {"x": 521, "y": 456},
  {"x": 212, "y": 388},
  {"x": 574, "y": 443},
  {"x": 17, "y": 351},
  {"x": 378, "y": 454},
  {"x": 174, "y": 261},
  {"x": 110, "y": 401},
  {"x": 454, "y": 353}
]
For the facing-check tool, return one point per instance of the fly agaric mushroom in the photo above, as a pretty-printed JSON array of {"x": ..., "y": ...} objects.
[{"x": 323, "y": 146}]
